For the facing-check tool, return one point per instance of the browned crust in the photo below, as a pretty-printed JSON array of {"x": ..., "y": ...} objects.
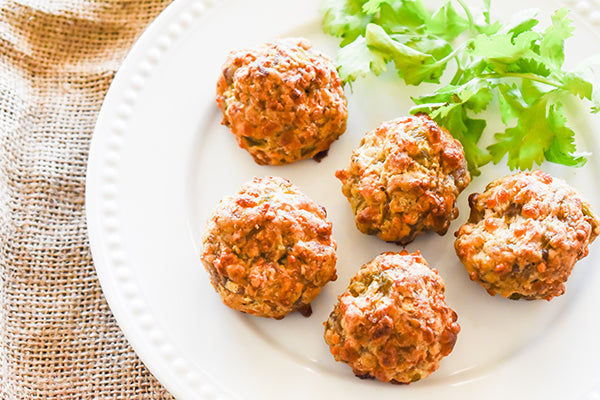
[
  {"x": 524, "y": 235},
  {"x": 284, "y": 102},
  {"x": 392, "y": 323},
  {"x": 404, "y": 179},
  {"x": 269, "y": 249}
]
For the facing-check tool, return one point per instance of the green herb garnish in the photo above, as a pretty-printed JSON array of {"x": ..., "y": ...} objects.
[{"x": 514, "y": 62}]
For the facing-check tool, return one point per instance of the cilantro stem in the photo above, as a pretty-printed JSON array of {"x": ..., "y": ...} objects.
[
  {"x": 472, "y": 26},
  {"x": 532, "y": 77},
  {"x": 454, "y": 54},
  {"x": 457, "y": 75}
]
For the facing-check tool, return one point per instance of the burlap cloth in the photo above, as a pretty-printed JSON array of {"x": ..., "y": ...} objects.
[{"x": 58, "y": 338}]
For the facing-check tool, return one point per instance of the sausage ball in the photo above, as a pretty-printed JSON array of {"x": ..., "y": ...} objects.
[
  {"x": 392, "y": 323},
  {"x": 269, "y": 249},
  {"x": 524, "y": 234},
  {"x": 404, "y": 179},
  {"x": 284, "y": 101}
]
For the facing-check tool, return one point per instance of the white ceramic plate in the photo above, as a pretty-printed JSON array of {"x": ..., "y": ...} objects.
[{"x": 160, "y": 161}]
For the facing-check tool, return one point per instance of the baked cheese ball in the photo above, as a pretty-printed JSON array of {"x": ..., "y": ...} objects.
[
  {"x": 404, "y": 179},
  {"x": 524, "y": 235},
  {"x": 392, "y": 323},
  {"x": 269, "y": 249},
  {"x": 283, "y": 101}
]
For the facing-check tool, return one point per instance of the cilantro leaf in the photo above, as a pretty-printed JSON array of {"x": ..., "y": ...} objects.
[
  {"x": 503, "y": 48},
  {"x": 436, "y": 47},
  {"x": 527, "y": 65},
  {"x": 344, "y": 19},
  {"x": 552, "y": 42},
  {"x": 577, "y": 85},
  {"x": 412, "y": 65},
  {"x": 525, "y": 142},
  {"x": 486, "y": 11},
  {"x": 562, "y": 148},
  {"x": 529, "y": 91},
  {"x": 446, "y": 23},
  {"x": 510, "y": 102},
  {"x": 522, "y": 21},
  {"x": 474, "y": 95},
  {"x": 408, "y": 13},
  {"x": 468, "y": 131},
  {"x": 372, "y": 6},
  {"x": 356, "y": 60},
  {"x": 540, "y": 133}
]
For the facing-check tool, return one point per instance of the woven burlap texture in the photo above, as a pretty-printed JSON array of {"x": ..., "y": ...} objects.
[{"x": 58, "y": 338}]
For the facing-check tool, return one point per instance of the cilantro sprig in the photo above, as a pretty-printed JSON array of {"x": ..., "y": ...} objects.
[{"x": 514, "y": 62}]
